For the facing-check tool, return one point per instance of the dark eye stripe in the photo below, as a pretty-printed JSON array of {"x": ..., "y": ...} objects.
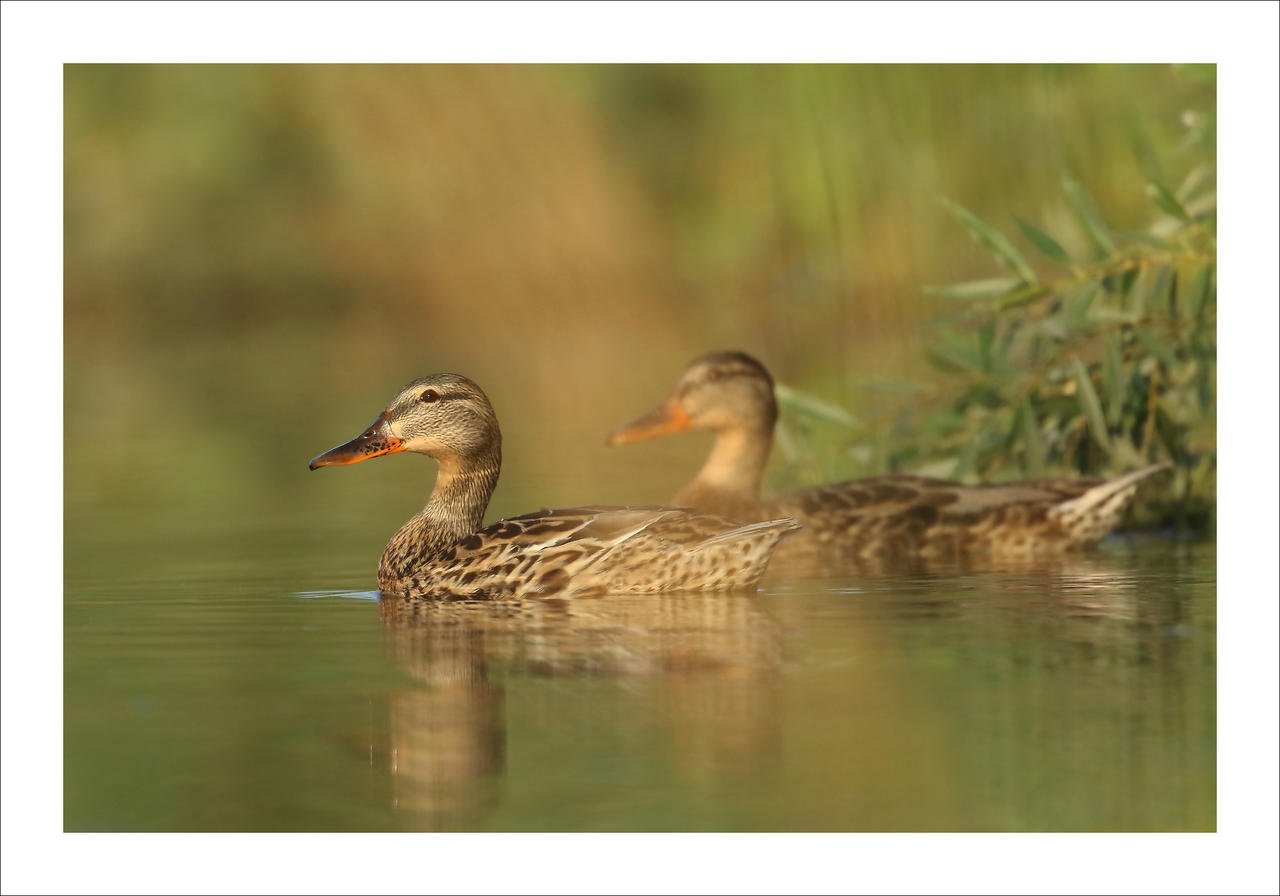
[{"x": 720, "y": 373}]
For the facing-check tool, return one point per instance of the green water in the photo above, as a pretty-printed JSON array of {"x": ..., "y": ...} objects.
[{"x": 236, "y": 675}]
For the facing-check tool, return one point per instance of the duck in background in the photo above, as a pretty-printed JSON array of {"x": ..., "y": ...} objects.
[{"x": 884, "y": 518}]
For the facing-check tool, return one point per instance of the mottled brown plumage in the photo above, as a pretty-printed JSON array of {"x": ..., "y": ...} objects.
[
  {"x": 897, "y": 516},
  {"x": 443, "y": 552}
]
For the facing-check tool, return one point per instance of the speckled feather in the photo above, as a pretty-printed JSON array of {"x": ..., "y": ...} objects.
[
  {"x": 581, "y": 551},
  {"x": 897, "y": 516}
]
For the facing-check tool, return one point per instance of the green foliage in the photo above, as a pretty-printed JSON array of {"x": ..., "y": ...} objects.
[
  {"x": 1098, "y": 369},
  {"x": 1100, "y": 362}
]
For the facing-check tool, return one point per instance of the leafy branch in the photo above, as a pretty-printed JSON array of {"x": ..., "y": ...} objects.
[{"x": 1104, "y": 367}]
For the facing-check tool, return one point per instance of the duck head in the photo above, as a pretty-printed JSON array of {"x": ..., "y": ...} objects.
[
  {"x": 444, "y": 416},
  {"x": 721, "y": 392}
]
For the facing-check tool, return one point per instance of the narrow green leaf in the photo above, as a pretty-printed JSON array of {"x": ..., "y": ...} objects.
[
  {"x": 943, "y": 363},
  {"x": 1167, "y": 432},
  {"x": 1032, "y": 441},
  {"x": 993, "y": 241},
  {"x": 814, "y": 407},
  {"x": 976, "y": 289},
  {"x": 1047, "y": 245},
  {"x": 1105, "y": 315},
  {"x": 1078, "y": 301},
  {"x": 1160, "y": 295},
  {"x": 950, "y": 353},
  {"x": 986, "y": 335},
  {"x": 1194, "y": 287},
  {"x": 1024, "y": 296},
  {"x": 1199, "y": 176},
  {"x": 968, "y": 454},
  {"x": 1004, "y": 344},
  {"x": 1118, "y": 286},
  {"x": 1204, "y": 207},
  {"x": 1090, "y": 405},
  {"x": 1073, "y": 430},
  {"x": 1160, "y": 194},
  {"x": 1112, "y": 379},
  {"x": 1135, "y": 296},
  {"x": 1154, "y": 344},
  {"x": 1200, "y": 289},
  {"x": 1010, "y": 440},
  {"x": 1087, "y": 213}
]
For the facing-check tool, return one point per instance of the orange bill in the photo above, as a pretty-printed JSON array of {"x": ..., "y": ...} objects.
[
  {"x": 663, "y": 420},
  {"x": 374, "y": 441}
]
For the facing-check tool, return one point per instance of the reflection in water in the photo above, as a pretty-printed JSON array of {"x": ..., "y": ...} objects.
[
  {"x": 1079, "y": 567},
  {"x": 1095, "y": 673},
  {"x": 1051, "y": 592},
  {"x": 924, "y": 697},
  {"x": 448, "y": 739},
  {"x": 1078, "y": 696},
  {"x": 714, "y": 656}
]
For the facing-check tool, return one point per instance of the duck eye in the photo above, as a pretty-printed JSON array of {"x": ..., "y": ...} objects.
[
  {"x": 429, "y": 396},
  {"x": 714, "y": 374}
]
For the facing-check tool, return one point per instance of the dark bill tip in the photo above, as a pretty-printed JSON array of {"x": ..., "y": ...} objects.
[{"x": 373, "y": 442}]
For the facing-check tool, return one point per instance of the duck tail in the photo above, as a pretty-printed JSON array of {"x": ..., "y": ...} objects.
[
  {"x": 780, "y": 528},
  {"x": 1093, "y": 514}
]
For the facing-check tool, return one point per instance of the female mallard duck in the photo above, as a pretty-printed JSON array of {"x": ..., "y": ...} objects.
[
  {"x": 444, "y": 552},
  {"x": 731, "y": 394}
]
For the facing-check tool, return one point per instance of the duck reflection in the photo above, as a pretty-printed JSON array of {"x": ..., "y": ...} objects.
[
  {"x": 1054, "y": 590},
  {"x": 448, "y": 739},
  {"x": 910, "y": 696},
  {"x": 712, "y": 659},
  {"x": 1085, "y": 568}
]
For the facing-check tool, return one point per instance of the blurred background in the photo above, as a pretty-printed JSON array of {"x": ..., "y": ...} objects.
[{"x": 258, "y": 256}]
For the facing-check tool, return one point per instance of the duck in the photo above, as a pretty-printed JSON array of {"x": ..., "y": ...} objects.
[
  {"x": 879, "y": 518},
  {"x": 445, "y": 552}
]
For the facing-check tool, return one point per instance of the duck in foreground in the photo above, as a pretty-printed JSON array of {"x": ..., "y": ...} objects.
[
  {"x": 895, "y": 516},
  {"x": 443, "y": 552}
]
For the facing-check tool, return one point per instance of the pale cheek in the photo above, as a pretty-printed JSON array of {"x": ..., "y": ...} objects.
[
  {"x": 696, "y": 409},
  {"x": 422, "y": 444},
  {"x": 713, "y": 419}
]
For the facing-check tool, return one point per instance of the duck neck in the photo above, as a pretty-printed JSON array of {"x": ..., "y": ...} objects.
[
  {"x": 733, "y": 471},
  {"x": 454, "y": 511},
  {"x": 461, "y": 495}
]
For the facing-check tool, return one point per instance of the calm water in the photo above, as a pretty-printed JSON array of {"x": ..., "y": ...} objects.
[{"x": 239, "y": 677}]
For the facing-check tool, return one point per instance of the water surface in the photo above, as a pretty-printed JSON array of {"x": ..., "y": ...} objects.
[{"x": 242, "y": 676}]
